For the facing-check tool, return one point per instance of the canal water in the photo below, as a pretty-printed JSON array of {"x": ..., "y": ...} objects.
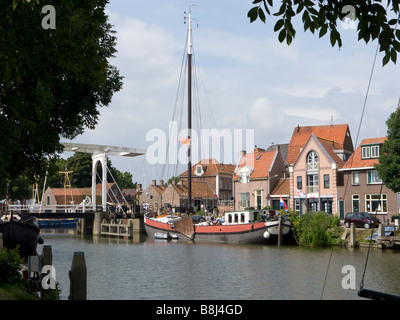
[{"x": 144, "y": 268}]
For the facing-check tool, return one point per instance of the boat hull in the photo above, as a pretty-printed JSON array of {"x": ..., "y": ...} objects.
[
  {"x": 272, "y": 232},
  {"x": 233, "y": 233},
  {"x": 25, "y": 234},
  {"x": 57, "y": 223}
]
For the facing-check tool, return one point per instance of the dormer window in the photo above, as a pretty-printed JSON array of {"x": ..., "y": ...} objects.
[
  {"x": 244, "y": 177},
  {"x": 370, "y": 152},
  {"x": 244, "y": 174},
  {"x": 199, "y": 170}
]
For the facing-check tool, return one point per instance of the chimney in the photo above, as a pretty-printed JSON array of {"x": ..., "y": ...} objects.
[
  {"x": 161, "y": 182},
  {"x": 154, "y": 182},
  {"x": 242, "y": 153}
]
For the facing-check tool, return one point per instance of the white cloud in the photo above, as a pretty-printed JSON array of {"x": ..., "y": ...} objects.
[{"x": 252, "y": 80}]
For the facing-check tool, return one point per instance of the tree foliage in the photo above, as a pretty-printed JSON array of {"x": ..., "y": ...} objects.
[
  {"x": 323, "y": 16},
  {"x": 52, "y": 81},
  {"x": 389, "y": 160}
]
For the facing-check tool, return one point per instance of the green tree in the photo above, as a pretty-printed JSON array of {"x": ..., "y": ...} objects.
[
  {"x": 389, "y": 160},
  {"x": 81, "y": 165},
  {"x": 52, "y": 81},
  {"x": 374, "y": 21}
]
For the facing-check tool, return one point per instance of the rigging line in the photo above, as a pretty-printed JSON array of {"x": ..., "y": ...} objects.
[
  {"x": 197, "y": 105},
  {"x": 176, "y": 105},
  {"x": 352, "y": 158},
  {"x": 197, "y": 38}
]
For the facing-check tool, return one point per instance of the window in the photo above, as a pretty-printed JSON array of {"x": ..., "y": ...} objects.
[
  {"x": 244, "y": 200},
  {"x": 199, "y": 170},
  {"x": 373, "y": 177},
  {"x": 312, "y": 161},
  {"x": 355, "y": 199},
  {"x": 48, "y": 200},
  {"x": 244, "y": 177},
  {"x": 299, "y": 182},
  {"x": 312, "y": 183},
  {"x": 356, "y": 178},
  {"x": 376, "y": 203},
  {"x": 297, "y": 205},
  {"x": 326, "y": 181},
  {"x": 366, "y": 152},
  {"x": 375, "y": 151}
]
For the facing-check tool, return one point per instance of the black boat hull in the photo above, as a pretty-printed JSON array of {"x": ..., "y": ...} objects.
[{"x": 24, "y": 233}]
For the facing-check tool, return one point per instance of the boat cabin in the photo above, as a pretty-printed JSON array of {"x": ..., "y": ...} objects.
[{"x": 240, "y": 217}]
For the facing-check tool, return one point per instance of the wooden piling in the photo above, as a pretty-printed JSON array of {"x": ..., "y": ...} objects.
[
  {"x": 1, "y": 240},
  {"x": 78, "y": 277},
  {"x": 47, "y": 255},
  {"x": 280, "y": 231},
  {"x": 352, "y": 235}
]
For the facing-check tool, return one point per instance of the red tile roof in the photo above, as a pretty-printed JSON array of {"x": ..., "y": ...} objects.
[
  {"x": 199, "y": 189},
  {"x": 355, "y": 161},
  {"x": 282, "y": 188},
  {"x": 211, "y": 167},
  {"x": 260, "y": 161},
  {"x": 330, "y": 147},
  {"x": 339, "y": 133}
]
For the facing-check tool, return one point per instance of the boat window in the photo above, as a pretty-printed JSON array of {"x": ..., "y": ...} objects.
[
  {"x": 236, "y": 218},
  {"x": 256, "y": 216},
  {"x": 242, "y": 217},
  {"x": 229, "y": 218}
]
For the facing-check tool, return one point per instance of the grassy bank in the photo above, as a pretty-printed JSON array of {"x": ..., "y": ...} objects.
[{"x": 15, "y": 292}]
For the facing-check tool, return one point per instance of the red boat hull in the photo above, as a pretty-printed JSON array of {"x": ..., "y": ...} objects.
[{"x": 235, "y": 233}]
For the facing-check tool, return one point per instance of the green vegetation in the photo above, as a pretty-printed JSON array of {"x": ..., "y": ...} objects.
[
  {"x": 81, "y": 166},
  {"x": 370, "y": 20},
  {"x": 315, "y": 229},
  {"x": 12, "y": 285},
  {"x": 389, "y": 161},
  {"x": 53, "y": 82}
]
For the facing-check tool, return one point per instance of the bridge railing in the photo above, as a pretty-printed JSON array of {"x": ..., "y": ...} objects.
[{"x": 47, "y": 208}]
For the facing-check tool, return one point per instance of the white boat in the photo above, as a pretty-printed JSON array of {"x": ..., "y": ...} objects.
[
  {"x": 278, "y": 226},
  {"x": 165, "y": 236}
]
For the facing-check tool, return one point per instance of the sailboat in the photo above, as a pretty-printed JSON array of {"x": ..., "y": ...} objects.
[{"x": 239, "y": 227}]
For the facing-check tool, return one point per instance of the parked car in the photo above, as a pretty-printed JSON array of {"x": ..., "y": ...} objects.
[{"x": 361, "y": 219}]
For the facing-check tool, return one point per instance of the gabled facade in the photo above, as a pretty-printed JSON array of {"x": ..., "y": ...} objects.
[
  {"x": 338, "y": 133},
  {"x": 151, "y": 198},
  {"x": 362, "y": 189},
  {"x": 256, "y": 176},
  {"x": 314, "y": 176},
  {"x": 219, "y": 178},
  {"x": 203, "y": 197}
]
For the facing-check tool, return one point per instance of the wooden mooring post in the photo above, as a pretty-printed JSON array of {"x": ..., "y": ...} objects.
[
  {"x": 1, "y": 240},
  {"x": 280, "y": 231},
  {"x": 78, "y": 277}
]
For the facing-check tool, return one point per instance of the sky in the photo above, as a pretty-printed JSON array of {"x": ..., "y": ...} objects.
[{"x": 247, "y": 80}]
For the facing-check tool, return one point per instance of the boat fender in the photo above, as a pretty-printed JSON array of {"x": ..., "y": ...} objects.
[
  {"x": 266, "y": 235},
  {"x": 40, "y": 240}
]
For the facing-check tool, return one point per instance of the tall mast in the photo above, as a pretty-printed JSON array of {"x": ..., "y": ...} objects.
[{"x": 189, "y": 55}]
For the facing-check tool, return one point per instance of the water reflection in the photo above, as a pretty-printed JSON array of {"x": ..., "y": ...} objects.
[{"x": 142, "y": 268}]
